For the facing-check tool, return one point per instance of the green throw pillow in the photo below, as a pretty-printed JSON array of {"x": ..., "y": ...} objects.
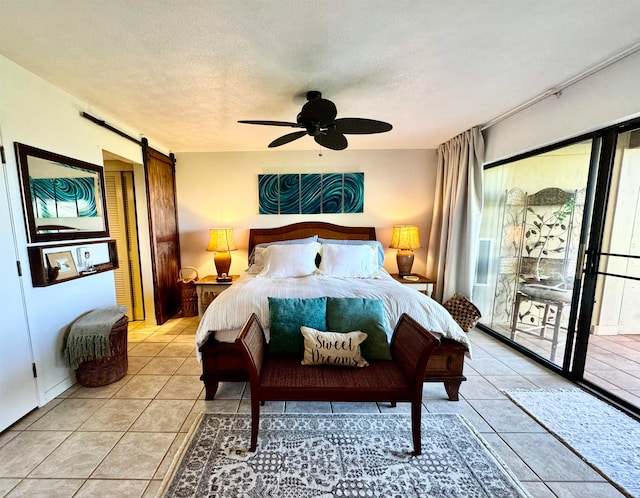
[
  {"x": 346, "y": 314},
  {"x": 286, "y": 316}
]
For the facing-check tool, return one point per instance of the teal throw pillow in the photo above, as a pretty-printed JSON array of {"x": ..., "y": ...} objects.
[
  {"x": 346, "y": 314},
  {"x": 286, "y": 316}
]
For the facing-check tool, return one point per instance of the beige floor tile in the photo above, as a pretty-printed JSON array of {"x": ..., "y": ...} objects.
[
  {"x": 463, "y": 408},
  {"x": 143, "y": 387},
  {"x": 78, "y": 455},
  {"x": 112, "y": 488},
  {"x": 68, "y": 415},
  {"x": 549, "y": 458},
  {"x": 268, "y": 407},
  {"x": 538, "y": 489},
  {"x": 136, "y": 456},
  {"x": 477, "y": 387},
  {"x": 163, "y": 416},
  {"x": 161, "y": 366},
  {"x": 34, "y": 415},
  {"x": 169, "y": 457},
  {"x": 584, "y": 490},
  {"x": 103, "y": 391},
  {"x": 504, "y": 416},
  {"x": 307, "y": 407},
  {"x": 191, "y": 366},
  {"x": 502, "y": 382},
  {"x": 7, "y": 485},
  {"x": 147, "y": 348},
  {"x": 24, "y": 452},
  {"x": 159, "y": 337},
  {"x": 182, "y": 387},
  {"x": 513, "y": 461},
  {"x": 231, "y": 390},
  {"x": 152, "y": 489},
  {"x": 7, "y": 436},
  {"x": 354, "y": 407},
  {"x": 179, "y": 350},
  {"x": 46, "y": 488},
  {"x": 136, "y": 363},
  {"x": 116, "y": 415}
]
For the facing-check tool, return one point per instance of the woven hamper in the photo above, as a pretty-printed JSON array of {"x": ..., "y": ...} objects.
[{"x": 103, "y": 371}]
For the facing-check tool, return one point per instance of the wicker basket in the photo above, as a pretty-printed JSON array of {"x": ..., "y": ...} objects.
[
  {"x": 463, "y": 311},
  {"x": 103, "y": 371},
  {"x": 188, "y": 292}
]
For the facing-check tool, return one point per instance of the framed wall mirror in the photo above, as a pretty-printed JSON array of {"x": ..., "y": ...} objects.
[{"x": 63, "y": 198}]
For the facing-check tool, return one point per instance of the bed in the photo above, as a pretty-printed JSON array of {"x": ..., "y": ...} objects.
[{"x": 223, "y": 319}]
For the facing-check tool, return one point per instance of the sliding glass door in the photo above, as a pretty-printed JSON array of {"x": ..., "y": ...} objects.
[
  {"x": 531, "y": 247},
  {"x": 609, "y": 356},
  {"x": 559, "y": 262}
]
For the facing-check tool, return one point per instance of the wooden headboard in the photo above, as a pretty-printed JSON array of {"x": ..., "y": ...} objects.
[{"x": 309, "y": 229}]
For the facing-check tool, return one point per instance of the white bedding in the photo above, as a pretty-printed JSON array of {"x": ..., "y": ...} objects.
[{"x": 249, "y": 294}]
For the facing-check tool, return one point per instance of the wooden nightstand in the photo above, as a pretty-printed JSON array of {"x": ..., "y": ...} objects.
[
  {"x": 208, "y": 288},
  {"x": 423, "y": 284}
]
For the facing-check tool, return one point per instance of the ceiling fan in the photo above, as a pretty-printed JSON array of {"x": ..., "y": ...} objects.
[{"x": 318, "y": 118}]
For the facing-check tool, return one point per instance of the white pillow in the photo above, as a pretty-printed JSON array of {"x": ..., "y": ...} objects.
[
  {"x": 285, "y": 261},
  {"x": 258, "y": 261},
  {"x": 333, "y": 348},
  {"x": 359, "y": 261}
]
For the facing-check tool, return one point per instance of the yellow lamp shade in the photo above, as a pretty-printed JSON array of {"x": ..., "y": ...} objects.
[
  {"x": 405, "y": 239},
  {"x": 221, "y": 242}
]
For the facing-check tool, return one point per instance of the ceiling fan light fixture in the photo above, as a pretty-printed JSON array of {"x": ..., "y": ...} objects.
[{"x": 318, "y": 118}]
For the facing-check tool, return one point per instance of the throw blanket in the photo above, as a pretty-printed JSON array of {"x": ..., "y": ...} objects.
[{"x": 88, "y": 337}]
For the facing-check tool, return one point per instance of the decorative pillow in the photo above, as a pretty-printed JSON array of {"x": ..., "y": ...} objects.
[
  {"x": 286, "y": 316},
  {"x": 259, "y": 248},
  {"x": 345, "y": 314},
  {"x": 331, "y": 348},
  {"x": 374, "y": 243},
  {"x": 285, "y": 261},
  {"x": 360, "y": 261}
]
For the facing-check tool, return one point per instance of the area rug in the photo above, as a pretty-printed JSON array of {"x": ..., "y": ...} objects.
[
  {"x": 338, "y": 455},
  {"x": 602, "y": 435}
]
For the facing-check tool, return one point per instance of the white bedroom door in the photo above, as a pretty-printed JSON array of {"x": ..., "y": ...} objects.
[{"x": 18, "y": 388}]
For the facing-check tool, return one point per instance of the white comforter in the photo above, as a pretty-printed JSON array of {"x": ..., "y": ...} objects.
[{"x": 249, "y": 295}]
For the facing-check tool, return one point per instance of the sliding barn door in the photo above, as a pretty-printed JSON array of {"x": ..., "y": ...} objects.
[{"x": 163, "y": 225}]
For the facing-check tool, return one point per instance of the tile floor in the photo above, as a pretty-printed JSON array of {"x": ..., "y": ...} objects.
[
  {"x": 119, "y": 440},
  {"x": 613, "y": 361}
]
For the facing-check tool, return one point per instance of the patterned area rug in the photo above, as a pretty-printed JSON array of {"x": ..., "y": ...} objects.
[
  {"x": 338, "y": 455},
  {"x": 602, "y": 435}
]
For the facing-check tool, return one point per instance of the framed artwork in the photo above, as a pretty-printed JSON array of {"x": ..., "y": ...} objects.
[
  {"x": 311, "y": 193},
  {"x": 63, "y": 198},
  {"x": 63, "y": 261}
]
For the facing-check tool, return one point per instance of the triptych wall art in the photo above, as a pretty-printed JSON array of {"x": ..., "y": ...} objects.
[{"x": 311, "y": 193}]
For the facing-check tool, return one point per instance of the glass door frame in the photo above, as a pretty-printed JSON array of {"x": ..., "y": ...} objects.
[{"x": 601, "y": 170}]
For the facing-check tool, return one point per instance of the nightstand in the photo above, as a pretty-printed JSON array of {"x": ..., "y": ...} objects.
[
  {"x": 422, "y": 284},
  {"x": 208, "y": 288}
]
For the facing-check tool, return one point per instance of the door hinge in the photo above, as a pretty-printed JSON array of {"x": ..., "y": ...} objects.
[
  {"x": 4, "y": 161},
  {"x": 35, "y": 372},
  {"x": 19, "y": 268}
]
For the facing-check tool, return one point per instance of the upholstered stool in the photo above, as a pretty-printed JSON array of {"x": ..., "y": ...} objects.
[{"x": 103, "y": 371}]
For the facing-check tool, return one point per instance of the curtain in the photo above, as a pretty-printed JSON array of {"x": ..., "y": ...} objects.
[{"x": 457, "y": 212}]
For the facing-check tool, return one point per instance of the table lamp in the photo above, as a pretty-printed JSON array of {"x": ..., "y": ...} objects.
[
  {"x": 405, "y": 239},
  {"x": 220, "y": 243}
]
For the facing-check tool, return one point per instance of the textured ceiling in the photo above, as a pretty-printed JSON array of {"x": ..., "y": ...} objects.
[{"x": 183, "y": 72}]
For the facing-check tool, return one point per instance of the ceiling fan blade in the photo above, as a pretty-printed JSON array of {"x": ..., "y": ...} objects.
[
  {"x": 319, "y": 111},
  {"x": 332, "y": 140},
  {"x": 289, "y": 137},
  {"x": 271, "y": 123},
  {"x": 359, "y": 126}
]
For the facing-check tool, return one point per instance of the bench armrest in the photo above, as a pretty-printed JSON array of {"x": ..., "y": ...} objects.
[
  {"x": 251, "y": 342},
  {"x": 411, "y": 348}
]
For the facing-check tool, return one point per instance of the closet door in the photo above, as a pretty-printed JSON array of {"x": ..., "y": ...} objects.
[
  {"x": 18, "y": 388},
  {"x": 163, "y": 225}
]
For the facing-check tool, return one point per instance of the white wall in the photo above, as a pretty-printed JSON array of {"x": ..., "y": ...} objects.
[
  {"x": 221, "y": 189},
  {"x": 607, "y": 97},
  {"x": 37, "y": 113}
]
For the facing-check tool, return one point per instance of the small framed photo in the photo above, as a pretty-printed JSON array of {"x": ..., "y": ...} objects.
[{"x": 65, "y": 264}]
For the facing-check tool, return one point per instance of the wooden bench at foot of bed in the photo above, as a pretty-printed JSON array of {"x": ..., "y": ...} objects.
[
  {"x": 274, "y": 378},
  {"x": 223, "y": 362}
]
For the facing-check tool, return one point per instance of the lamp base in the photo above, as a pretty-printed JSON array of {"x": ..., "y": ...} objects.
[
  {"x": 222, "y": 260},
  {"x": 405, "y": 261}
]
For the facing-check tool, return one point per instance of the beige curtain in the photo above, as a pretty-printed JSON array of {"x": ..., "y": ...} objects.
[{"x": 457, "y": 210}]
